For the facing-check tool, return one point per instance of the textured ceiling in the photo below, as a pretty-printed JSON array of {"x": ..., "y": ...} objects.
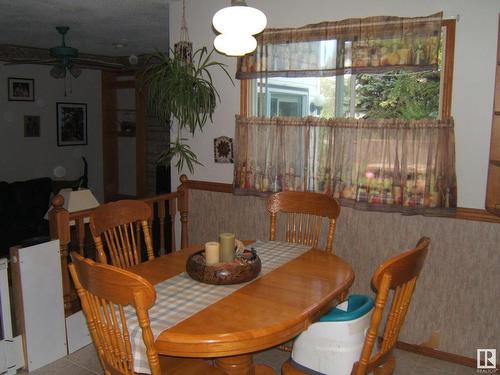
[{"x": 95, "y": 25}]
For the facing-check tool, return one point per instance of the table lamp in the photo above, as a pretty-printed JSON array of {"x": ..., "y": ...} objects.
[{"x": 76, "y": 200}]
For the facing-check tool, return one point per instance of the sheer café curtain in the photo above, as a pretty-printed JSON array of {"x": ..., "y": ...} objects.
[{"x": 372, "y": 164}]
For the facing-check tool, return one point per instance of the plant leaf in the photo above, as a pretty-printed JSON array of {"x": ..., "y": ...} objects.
[{"x": 184, "y": 91}]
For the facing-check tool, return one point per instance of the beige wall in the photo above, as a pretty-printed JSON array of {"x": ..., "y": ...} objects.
[
  {"x": 457, "y": 293},
  {"x": 476, "y": 41}
]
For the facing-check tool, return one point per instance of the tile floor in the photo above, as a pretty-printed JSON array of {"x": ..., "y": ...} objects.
[{"x": 85, "y": 362}]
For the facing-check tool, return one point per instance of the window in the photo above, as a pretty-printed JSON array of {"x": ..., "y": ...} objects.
[
  {"x": 391, "y": 94},
  {"x": 359, "y": 109}
]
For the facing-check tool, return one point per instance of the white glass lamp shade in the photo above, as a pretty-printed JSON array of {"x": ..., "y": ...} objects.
[
  {"x": 239, "y": 20},
  {"x": 235, "y": 44}
]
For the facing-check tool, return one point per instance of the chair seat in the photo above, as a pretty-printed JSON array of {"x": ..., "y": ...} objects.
[{"x": 187, "y": 366}]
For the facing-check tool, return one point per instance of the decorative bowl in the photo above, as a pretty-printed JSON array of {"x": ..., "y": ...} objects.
[{"x": 245, "y": 267}]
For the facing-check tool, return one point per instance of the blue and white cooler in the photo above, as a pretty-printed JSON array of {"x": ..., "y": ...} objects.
[{"x": 332, "y": 345}]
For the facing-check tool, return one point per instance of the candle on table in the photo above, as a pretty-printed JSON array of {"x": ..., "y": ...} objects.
[
  {"x": 226, "y": 247},
  {"x": 212, "y": 253}
]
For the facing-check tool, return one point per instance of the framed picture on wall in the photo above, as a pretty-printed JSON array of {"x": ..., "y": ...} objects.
[
  {"x": 71, "y": 124},
  {"x": 32, "y": 126},
  {"x": 21, "y": 89},
  {"x": 223, "y": 150}
]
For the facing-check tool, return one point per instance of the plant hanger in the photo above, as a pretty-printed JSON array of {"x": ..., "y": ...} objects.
[{"x": 184, "y": 48}]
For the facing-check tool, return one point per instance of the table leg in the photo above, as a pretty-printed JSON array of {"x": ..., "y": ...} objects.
[{"x": 242, "y": 365}]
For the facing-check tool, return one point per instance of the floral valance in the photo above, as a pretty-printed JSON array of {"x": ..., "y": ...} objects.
[
  {"x": 383, "y": 164},
  {"x": 372, "y": 44}
]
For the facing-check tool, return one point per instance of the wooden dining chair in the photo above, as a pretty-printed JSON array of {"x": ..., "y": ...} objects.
[
  {"x": 104, "y": 290},
  {"x": 399, "y": 274},
  {"x": 304, "y": 213},
  {"x": 120, "y": 223}
]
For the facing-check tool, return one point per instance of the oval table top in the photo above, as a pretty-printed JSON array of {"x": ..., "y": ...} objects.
[{"x": 267, "y": 312}]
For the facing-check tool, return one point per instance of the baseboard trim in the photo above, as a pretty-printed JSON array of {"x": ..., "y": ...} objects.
[
  {"x": 474, "y": 214},
  {"x": 438, "y": 354}
]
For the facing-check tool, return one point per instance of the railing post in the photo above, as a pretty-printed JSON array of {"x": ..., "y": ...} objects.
[
  {"x": 184, "y": 210},
  {"x": 173, "y": 219},
  {"x": 161, "y": 219},
  {"x": 59, "y": 230},
  {"x": 80, "y": 225}
]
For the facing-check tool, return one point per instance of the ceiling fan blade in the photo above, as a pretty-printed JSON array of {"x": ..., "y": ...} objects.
[
  {"x": 96, "y": 62},
  {"x": 31, "y": 61}
]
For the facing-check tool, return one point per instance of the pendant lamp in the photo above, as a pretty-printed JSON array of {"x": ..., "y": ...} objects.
[
  {"x": 237, "y": 25},
  {"x": 235, "y": 44}
]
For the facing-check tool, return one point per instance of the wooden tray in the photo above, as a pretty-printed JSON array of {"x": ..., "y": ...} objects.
[{"x": 227, "y": 273}]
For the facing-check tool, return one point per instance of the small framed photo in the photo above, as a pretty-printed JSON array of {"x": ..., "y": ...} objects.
[
  {"x": 21, "y": 89},
  {"x": 71, "y": 124},
  {"x": 32, "y": 126},
  {"x": 223, "y": 150}
]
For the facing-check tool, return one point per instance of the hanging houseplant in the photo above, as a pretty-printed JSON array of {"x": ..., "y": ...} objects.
[{"x": 184, "y": 90}]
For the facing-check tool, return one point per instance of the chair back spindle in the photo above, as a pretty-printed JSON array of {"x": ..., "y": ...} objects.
[
  {"x": 119, "y": 225},
  {"x": 303, "y": 214}
]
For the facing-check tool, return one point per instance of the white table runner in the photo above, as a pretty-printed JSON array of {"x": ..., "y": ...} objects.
[{"x": 180, "y": 296}]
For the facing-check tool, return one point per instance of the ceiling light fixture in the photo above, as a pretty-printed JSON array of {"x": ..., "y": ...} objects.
[
  {"x": 235, "y": 44},
  {"x": 58, "y": 71},
  {"x": 75, "y": 71},
  {"x": 237, "y": 23}
]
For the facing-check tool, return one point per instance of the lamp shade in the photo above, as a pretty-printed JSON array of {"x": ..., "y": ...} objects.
[
  {"x": 240, "y": 20},
  {"x": 78, "y": 200},
  {"x": 235, "y": 44}
]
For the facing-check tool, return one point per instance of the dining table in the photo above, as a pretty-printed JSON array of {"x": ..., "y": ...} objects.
[{"x": 296, "y": 286}]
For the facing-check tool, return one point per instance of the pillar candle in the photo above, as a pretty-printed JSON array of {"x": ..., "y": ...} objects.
[
  {"x": 226, "y": 247},
  {"x": 212, "y": 253}
]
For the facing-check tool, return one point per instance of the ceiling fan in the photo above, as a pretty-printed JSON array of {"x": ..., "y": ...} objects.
[{"x": 67, "y": 59}]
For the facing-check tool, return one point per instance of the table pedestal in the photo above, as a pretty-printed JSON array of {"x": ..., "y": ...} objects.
[{"x": 242, "y": 365}]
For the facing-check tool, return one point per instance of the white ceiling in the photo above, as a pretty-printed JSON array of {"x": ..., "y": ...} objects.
[{"x": 95, "y": 25}]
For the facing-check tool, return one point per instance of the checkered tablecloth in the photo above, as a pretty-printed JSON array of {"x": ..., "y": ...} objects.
[{"x": 180, "y": 297}]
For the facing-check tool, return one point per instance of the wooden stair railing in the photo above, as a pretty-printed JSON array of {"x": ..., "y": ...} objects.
[{"x": 78, "y": 238}]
